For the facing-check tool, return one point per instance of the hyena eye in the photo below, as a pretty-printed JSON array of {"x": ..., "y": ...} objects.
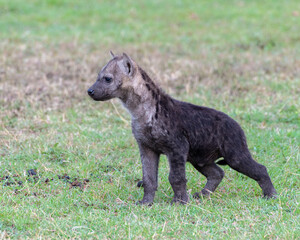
[{"x": 108, "y": 79}]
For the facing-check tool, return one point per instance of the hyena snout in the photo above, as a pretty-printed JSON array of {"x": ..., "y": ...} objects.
[
  {"x": 91, "y": 92},
  {"x": 99, "y": 94}
]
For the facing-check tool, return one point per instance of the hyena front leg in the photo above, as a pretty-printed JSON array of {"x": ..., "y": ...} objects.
[
  {"x": 150, "y": 161},
  {"x": 177, "y": 178}
]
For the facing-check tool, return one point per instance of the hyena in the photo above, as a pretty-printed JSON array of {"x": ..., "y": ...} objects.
[{"x": 182, "y": 131}]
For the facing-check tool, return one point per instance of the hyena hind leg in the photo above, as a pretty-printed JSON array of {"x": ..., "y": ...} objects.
[
  {"x": 214, "y": 175},
  {"x": 247, "y": 166}
]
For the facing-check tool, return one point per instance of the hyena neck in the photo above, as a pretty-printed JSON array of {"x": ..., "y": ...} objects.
[{"x": 141, "y": 98}]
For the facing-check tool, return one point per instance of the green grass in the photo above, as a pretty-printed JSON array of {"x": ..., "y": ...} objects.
[
  {"x": 266, "y": 24},
  {"x": 241, "y": 57}
]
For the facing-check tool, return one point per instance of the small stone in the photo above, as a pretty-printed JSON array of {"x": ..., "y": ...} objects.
[
  {"x": 140, "y": 184},
  {"x": 31, "y": 172},
  {"x": 76, "y": 184},
  {"x": 85, "y": 180}
]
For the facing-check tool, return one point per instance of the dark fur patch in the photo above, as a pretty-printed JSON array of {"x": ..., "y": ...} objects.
[
  {"x": 156, "y": 109},
  {"x": 145, "y": 75},
  {"x": 148, "y": 86},
  {"x": 154, "y": 95}
]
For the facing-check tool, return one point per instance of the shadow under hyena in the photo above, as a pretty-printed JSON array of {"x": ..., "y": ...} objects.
[{"x": 182, "y": 131}]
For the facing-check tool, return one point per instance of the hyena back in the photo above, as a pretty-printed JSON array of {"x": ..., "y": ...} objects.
[{"x": 182, "y": 131}]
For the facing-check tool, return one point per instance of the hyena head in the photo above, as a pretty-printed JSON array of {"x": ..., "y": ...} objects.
[{"x": 114, "y": 78}]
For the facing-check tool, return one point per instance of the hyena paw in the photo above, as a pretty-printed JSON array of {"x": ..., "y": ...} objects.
[
  {"x": 144, "y": 202},
  {"x": 272, "y": 195},
  {"x": 203, "y": 193},
  {"x": 182, "y": 199}
]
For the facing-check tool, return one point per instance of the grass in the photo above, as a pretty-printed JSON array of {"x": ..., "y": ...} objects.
[
  {"x": 236, "y": 56},
  {"x": 173, "y": 24}
]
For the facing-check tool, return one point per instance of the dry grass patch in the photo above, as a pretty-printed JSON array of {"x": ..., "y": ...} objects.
[{"x": 56, "y": 77}]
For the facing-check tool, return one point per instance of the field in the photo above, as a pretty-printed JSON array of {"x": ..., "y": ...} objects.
[{"x": 69, "y": 166}]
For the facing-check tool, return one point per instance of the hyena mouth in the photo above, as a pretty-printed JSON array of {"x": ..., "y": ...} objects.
[{"x": 101, "y": 98}]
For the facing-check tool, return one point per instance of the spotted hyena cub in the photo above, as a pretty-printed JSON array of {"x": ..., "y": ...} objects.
[{"x": 182, "y": 131}]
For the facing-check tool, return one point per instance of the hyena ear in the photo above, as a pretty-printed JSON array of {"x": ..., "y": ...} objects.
[
  {"x": 128, "y": 65},
  {"x": 112, "y": 54}
]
